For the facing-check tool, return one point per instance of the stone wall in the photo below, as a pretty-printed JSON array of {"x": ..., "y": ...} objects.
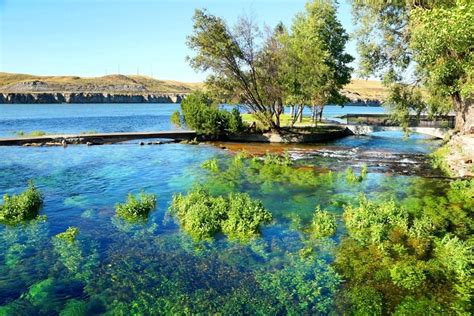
[{"x": 12, "y": 98}]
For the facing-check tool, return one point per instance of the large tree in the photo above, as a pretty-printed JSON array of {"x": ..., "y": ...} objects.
[
  {"x": 424, "y": 51},
  {"x": 238, "y": 63}
]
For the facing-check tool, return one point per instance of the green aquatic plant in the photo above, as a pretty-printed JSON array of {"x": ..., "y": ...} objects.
[
  {"x": 69, "y": 235},
  {"x": 211, "y": 165},
  {"x": 202, "y": 215},
  {"x": 306, "y": 286},
  {"x": 352, "y": 177},
  {"x": 136, "y": 207},
  {"x": 17, "y": 208},
  {"x": 403, "y": 250},
  {"x": 244, "y": 217},
  {"x": 323, "y": 224},
  {"x": 439, "y": 159}
]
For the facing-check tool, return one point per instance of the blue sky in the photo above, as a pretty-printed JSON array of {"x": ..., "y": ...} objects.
[{"x": 95, "y": 37}]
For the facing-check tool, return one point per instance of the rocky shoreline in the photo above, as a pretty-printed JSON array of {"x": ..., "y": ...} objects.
[{"x": 85, "y": 97}]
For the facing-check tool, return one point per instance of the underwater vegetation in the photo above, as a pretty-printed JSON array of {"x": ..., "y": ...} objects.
[
  {"x": 24, "y": 206},
  {"x": 202, "y": 215},
  {"x": 136, "y": 207},
  {"x": 69, "y": 235},
  {"x": 396, "y": 254},
  {"x": 323, "y": 224}
]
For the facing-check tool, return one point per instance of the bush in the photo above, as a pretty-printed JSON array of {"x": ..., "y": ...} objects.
[
  {"x": 203, "y": 115},
  {"x": 244, "y": 217},
  {"x": 69, "y": 235},
  {"x": 202, "y": 215},
  {"x": 21, "y": 207},
  {"x": 176, "y": 119},
  {"x": 136, "y": 207},
  {"x": 324, "y": 224}
]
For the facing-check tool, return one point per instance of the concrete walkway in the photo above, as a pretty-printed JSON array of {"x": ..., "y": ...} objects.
[{"x": 99, "y": 138}]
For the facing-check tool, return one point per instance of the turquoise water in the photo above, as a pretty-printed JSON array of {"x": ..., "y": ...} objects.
[{"x": 154, "y": 267}]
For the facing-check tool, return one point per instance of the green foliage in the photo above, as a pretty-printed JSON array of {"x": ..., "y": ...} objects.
[
  {"x": 31, "y": 134},
  {"x": 202, "y": 215},
  {"x": 323, "y": 224},
  {"x": 236, "y": 124},
  {"x": 69, "y": 235},
  {"x": 304, "y": 287},
  {"x": 351, "y": 177},
  {"x": 404, "y": 250},
  {"x": 308, "y": 66},
  {"x": 203, "y": 115},
  {"x": 365, "y": 300},
  {"x": 17, "y": 208},
  {"x": 176, "y": 118},
  {"x": 434, "y": 37},
  {"x": 439, "y": 159},
  {"x": 244, "y": 217},
  {"x": 211, "y": 165},
  {"x": 136, "y": 207}
]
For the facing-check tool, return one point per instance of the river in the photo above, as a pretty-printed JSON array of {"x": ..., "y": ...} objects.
[{"x": 116, "y": 266}]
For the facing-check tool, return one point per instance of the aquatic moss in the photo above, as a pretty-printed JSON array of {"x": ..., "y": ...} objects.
[
  {"x": 202, "y": 215},
  {"x": 402, "y": 250},
  {"x": 304, "y": 287},
  {"x": 136, "y": 207},
  {"x": 69, "y": 235},
  {"x": 17, "y": 208},
  {"x": 323, "y": 224}
]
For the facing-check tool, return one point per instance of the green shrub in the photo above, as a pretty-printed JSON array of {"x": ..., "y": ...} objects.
[
  {"x": 69, "y": 235},
  {"x": 324, "y": 224},
  {"x": 244, "y": 217},
  {"x": 176, "y": 118},
  {"x": 203, "y": 115},
  {"x": 235, "y": 125},
  {"x": 202, "y": 215},
  {"x": 24, "y": 206},
  {"x": 439, "y": 159},
  {"x": 136, "y": 207}
]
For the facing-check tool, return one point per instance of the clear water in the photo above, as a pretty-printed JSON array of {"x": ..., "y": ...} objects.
[
  {"x": 124, "y": 268},
  {"x": 77, "y": 118}
]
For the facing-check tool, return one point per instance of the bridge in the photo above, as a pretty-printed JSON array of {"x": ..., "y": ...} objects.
[
  {"x": 363, "y": 124},
  {"x": 97, "y": 138}
]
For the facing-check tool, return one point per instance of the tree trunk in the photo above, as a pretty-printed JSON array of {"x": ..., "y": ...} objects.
[
  {"x": 313, "y": 114},
  {"x": 300, "y": 113},
  {"x": 321, "y": 113},
  {"x": 464, "y": 109},
  {"x": 292, "y": 111}
]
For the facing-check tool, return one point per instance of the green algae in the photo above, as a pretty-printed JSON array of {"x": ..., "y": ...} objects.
[{"x": 69, "y": 235}]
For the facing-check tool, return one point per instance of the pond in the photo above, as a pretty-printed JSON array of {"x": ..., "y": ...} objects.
[{"x": 154, "y": 267}]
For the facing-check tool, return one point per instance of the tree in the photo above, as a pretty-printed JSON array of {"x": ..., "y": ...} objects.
[
  {"x": 421, "y": 45},
  {"x": 237, "y": 63},
  {"x": 317, "y": 64}
]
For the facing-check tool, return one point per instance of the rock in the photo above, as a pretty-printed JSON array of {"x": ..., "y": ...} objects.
[{"x": 141, "y": 143}]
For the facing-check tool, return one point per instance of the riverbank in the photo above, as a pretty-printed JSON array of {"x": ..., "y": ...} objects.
[{"x": 456, "y": 156}]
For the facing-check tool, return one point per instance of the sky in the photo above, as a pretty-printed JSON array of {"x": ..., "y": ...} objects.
[{"x": 98, "y": 37}]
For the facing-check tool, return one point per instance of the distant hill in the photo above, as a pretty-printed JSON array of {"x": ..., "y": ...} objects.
[
  {"x": 363, "y": 90},
  {"x": 22, "y": 83}
]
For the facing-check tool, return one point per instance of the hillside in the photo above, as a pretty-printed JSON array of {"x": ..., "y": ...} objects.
[
  {"x": 22, "y": 83},
  {"x": 362, "y": 90}
]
